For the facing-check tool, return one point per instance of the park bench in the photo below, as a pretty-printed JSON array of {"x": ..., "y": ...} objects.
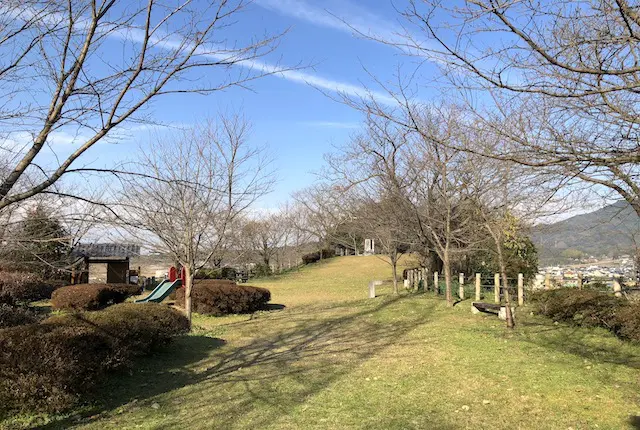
[{"x": 494, "y": 308}]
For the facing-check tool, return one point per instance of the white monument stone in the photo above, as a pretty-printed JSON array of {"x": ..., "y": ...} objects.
[{"x": 369, "y": 246}]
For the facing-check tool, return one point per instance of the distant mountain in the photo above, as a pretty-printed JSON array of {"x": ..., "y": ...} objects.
[{"x": 606, "y": 232}]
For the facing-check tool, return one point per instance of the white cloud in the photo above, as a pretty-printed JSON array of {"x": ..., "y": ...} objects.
[
  {"x": 218, "y": 53},
  {"x": 343, "y": 16},
  {"x": 348, "y": 17},
  {"x": 297, "y": 76}
]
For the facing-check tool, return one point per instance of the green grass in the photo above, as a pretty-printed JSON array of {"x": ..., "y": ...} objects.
[{"x": 334, "y": 359}]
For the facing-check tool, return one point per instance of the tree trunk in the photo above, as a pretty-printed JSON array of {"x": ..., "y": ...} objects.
[
  {"x": 447, "y": 278},
  {"x": 505, "y": 281},
  {"x": 188, "y": 272},
  {"x": 394, "y": 269},
  {"x": 507, "y": 298}
]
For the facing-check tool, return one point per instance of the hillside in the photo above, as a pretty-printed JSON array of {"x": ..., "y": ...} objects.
[
  {"x": 605, "y": 232},
  {"x": 332, "y": 280}
]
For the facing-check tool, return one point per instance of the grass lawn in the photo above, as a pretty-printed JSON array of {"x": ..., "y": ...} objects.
[{"x": 334, "y": 359}]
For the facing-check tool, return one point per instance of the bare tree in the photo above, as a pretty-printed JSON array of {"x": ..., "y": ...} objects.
[
  {"x": 267, "y": 236},
  {"x": 300, "y": 238},
  {"x": 328, "y": 214},
  {"x": 195, "y": 185},
  {"x": 558, "y": 79},
  {"x": 59, "y": 74},
  {"x": 383, "y": 221},
  {"x": 422, "y": 172}
]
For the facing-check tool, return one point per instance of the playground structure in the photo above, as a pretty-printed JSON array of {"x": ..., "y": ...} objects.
[{"x": 166, "y": 287}]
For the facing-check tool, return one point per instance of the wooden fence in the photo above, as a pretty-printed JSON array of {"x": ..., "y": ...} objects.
[{"x": 482, "y": 287}]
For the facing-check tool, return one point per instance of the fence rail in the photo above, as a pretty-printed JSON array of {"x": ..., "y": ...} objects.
[{"x": 483, "y": 287}]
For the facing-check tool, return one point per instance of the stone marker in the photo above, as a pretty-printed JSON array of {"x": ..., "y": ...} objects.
[
  {"x": 617, "y": 287},
  {"x": 496, "y": 287},
  {"x": 478, "y": 285},
  {"x": 502, "y": 314},
  {"x": 372, "y": 289},
  {"x": 461, "y": 288},
  {"x": 435, "y": 283}
]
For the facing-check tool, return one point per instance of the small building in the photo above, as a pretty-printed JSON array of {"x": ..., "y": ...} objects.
[{"x": 110, "y": 270}]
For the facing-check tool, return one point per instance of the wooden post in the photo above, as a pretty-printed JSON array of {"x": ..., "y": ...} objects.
[
  {"x": 425, "y": 278},
  {"x": 461, "y": 288},
  {"x": 435, "y": 282},
  {"x": 478, "y": 284},
  {"x": 520, "y": 289},
  {"x": 372, "y": 289},
  {"x": 547, "y": 281},
  {"x": 617, "y": 287},
  {"x": 496, "y": 287},
  {"x": 580, "y": 280}
]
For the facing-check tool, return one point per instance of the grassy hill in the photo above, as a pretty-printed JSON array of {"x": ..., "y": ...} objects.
[
  {"x": 605, "y": 232},
  {"x": 335, "y": 359},
  {"x": 332, "y": 280}
]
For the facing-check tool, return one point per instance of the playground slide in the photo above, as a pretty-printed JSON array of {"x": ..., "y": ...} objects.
[{"x": 161, "y": 292}]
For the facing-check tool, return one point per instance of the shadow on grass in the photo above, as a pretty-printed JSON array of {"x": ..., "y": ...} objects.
[
  {"x": 589, "y": 343},
  {"x": 159, "y": 373},
  {"x": 289, "y": 357},
  {"x": 273, "y": 307}
]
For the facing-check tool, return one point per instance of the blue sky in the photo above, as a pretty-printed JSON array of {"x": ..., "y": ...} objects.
[
  {"x": 289, "y": 112},
  {"x": 293, "y": 118}
]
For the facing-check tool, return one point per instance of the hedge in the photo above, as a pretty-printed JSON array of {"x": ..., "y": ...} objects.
[
  {"x": 229, "y": 273},
  {"x": 11, "y": 316},
  {"x": 88, "y": 297},
  {"x": 216, "y": 297},
  {"x": 590, "y": 308},
  {"x": 312, "y": 257},
  {"x": 47, "y": 366},
  {"x": 26, "y": 287}
]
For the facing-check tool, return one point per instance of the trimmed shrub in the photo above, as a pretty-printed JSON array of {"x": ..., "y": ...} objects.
[
  {"x": 7, "y": 299},
  {"x": 127, "y": 290},
  {"x": 591, "y": 308},
  {"x": 25, "y": 287},
  {"x": 131, "y": 329},
  {"x": 89, "y": 297},
  {"x": 217, "y": 298},
  {"x": 583, "y": 307},
  {"x": 261, "y": 270},
  {"x": 11, "y": 316},
  {"x": 48, "y": 366},
  {"x": 218, "y": 273},
  {"x": 312, "y": 257},
  {"x": 208, "y": 274},
  {"x": 628, "y": 322}
]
